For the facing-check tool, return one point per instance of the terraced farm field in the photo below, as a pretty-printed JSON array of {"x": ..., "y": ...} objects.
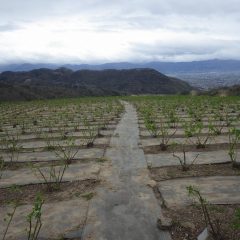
[
  {"x": 140, "y": 167},
  {"x": 192, "y": 149},
  {"x": 55, "y": 148}
]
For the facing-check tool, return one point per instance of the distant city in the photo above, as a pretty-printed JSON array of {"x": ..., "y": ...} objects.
[{"x": 210, "y": 80}]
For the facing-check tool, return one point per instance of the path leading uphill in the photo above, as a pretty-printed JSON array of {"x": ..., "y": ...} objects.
[{"x": 124, "y": 207}]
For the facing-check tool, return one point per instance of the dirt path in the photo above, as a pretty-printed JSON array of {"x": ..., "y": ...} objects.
[{"x": 124, "y": 208}]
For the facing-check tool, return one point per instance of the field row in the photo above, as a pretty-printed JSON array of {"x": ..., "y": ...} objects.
[
  {"x": 192, "y": 148},
  {"x": 51, "y": 156}
]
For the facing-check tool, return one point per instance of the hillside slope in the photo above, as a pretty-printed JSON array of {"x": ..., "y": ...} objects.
[{"x": 63, "y": 82}]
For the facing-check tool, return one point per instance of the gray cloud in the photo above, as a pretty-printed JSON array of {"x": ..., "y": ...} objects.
[
  {"x": 95, "y": 30},
  {"x": 9, "y": 27},
  {"x": 198, "y": 50},
  {"x": 34, "y": 9}
]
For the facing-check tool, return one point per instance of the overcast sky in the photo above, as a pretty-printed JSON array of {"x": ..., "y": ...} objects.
[{"x": 98, "y": 31}]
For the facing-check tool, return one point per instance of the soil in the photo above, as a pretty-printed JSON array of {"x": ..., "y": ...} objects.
[
  {"x": 60, "y": 138},
  {"x": 19, "y": 165},
  {"x": 180, "y": 136},
  {"x": 143, "y": 128},
  {"x": 27, "y": 193},
  {"x": 173, "y": 172},
  {"x": 40, "y": 149},
  {"x": 188, "y": 148},
  {"x": 188, "y": 222}
]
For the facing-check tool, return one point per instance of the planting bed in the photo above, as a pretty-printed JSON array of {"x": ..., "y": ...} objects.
[
  {"x": 54, "y": 151},
  {"x": 98, "y": 168},
  {"x": 192, "y": 146}
]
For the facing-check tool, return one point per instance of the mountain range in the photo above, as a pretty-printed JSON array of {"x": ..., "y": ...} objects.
[
  {"x": 163, "y": 67},
  {"x": 63, "y": 82}
]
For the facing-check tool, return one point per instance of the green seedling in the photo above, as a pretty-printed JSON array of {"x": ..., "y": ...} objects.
[
  {"x": 234, "y": 138},
  {"x": 2, "y": 166},
  {"x": 90, "y": 133},
  {"x": 34, "y": 219},
  {"x": 165, "y": 134},
  {"x": 185, "y": 166},
  {"x": 8, "y": 219},
  {"x": 10, "y": 215},
  {"x": 236, "y": 221},
  {"x": 13, "y": 146},
  {"x": 210, "y": 221}
]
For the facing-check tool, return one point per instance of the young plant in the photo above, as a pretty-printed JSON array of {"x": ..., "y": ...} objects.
[
  {"x": 217, "y": 124},
  {"x": 36, "y": 129},
  {"x": 236, "y": 221},
  {"x": 23, "y": 126},
  {"x": 13, "y": 146},
  {"x": 76, "y": 124},
  {"x": 215, "y": 130},
  {"x": 189, "y": 128},
  {"x": 201, "y": 138},
  {"x": 101, "y": 122},
  {"x": 1, "y": 126},
  {"x": 183, "y": 159},
  {"x": 53, "y": 175},
  {"x": 34, "y": 219},
  {"x": 8, "y": 219},
  {"x": 63, "y": 131},
  {"x": 90, "y": 133},
  {"x": 165, "y": 134},
  {"x": 50, "y": 140},
  {"x": 228, "y": 118},
  {"x": 234, "y": 138},
  {"x": 151, "y": 126},
  {"x": 213, "y": 224},
  {"x": 2, "y": 166},
  {"x": 172, "y": 117},
  {"x": 67, "y": 151}
]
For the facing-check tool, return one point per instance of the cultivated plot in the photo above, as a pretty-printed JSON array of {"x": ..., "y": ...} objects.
[
  {"x": 192, "y": 148},
  {"x": 51, "y": 155}
]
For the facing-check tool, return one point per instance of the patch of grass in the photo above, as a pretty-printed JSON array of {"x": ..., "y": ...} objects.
[
  {"x": 50, "y": 148},
  {"x": 88, "y": 196},
  {"x": 101, "y": 160},
  {"x": 77, "y": 194}
]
